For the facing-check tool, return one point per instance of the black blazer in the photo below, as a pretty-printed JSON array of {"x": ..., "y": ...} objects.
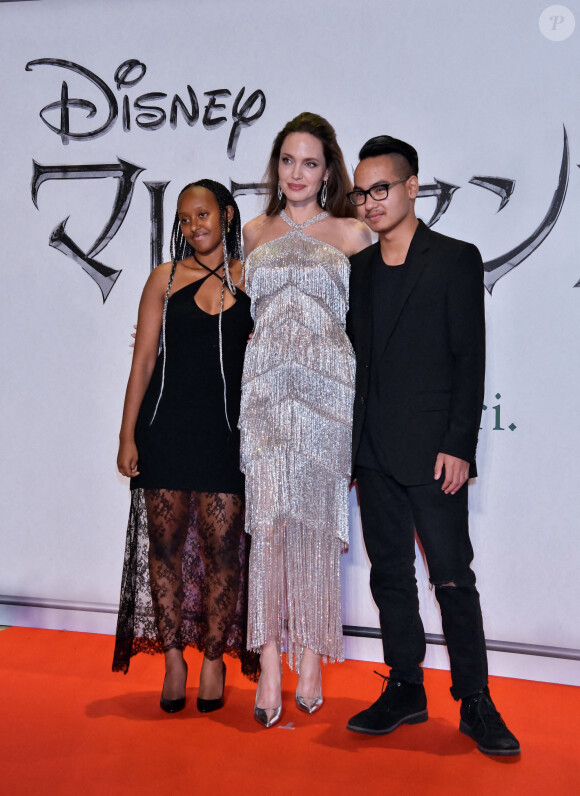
[{"x": 432, "y": 368}]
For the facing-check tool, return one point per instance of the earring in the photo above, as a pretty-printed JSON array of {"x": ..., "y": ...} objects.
[
  {"x": 228, "y": 229},
  {"x": 280, "y": 194},
  {"x": 323, "y": 194}
]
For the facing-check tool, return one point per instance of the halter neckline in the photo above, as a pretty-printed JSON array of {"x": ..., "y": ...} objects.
[
  {"x": 304, "y": 224},
  {"x": 212, "y": 271}
]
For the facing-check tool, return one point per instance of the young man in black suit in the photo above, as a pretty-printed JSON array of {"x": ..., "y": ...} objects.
[{"x": 417, "y": 325}]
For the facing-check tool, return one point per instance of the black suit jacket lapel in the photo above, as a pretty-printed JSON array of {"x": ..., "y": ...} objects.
[{"x": 415, "y": 263}]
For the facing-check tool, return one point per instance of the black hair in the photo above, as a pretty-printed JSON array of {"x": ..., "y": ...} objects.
[
  {"x": 387, "y": 145},
  {"x": 231, "y": 232}
]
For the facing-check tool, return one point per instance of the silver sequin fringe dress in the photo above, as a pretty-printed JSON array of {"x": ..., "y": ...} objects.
[{"x": 296, "y": 424}]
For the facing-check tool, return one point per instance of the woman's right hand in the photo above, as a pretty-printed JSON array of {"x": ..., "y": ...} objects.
[{"x": 127, "y": 459}]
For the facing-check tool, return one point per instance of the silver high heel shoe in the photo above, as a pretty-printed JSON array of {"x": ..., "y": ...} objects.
[
  {"x": 261, "y": 715},
  {"x": 309, "y": 705}
]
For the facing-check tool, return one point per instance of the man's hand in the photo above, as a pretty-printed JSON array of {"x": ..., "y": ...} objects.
[{"x": 456, "y": 472}]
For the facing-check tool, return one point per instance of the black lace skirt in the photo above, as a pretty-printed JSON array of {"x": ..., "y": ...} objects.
[{"x": 184, "y": 577}]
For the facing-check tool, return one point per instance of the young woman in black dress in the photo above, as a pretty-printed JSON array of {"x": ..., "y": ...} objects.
[{"x": 184, "y": 575}]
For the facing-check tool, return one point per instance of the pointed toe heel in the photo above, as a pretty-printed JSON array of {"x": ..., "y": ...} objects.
[
  {"x": 172, "y": 705},
  {"x": 309, "y": 705},
  {"x": 209, "y": 705},
  {"x": 261, "y": 716}
]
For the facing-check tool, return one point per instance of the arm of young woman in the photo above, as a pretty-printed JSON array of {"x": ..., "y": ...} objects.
[{"x": 144, "y": 358}]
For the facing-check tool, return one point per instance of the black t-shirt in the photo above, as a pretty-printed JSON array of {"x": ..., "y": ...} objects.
[{"x": 386, "y": 286}]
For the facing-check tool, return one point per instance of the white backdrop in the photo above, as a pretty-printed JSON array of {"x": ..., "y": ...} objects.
[{"x": 482, "y": 90}]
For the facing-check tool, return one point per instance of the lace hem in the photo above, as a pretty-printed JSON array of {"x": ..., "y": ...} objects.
[{"x": 184, "y": 577}]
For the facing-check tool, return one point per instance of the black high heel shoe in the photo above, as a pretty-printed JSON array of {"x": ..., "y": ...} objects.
[
  {"x": 172, "y": 705},
  {"x": 209, "y": 705}
]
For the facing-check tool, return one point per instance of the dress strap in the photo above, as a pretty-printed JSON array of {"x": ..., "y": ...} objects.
[
  {"x": 212, "y": 271},
  {"x": 304, "y": 224}
]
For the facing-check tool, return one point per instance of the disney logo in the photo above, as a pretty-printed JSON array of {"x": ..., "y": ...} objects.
[{"x": 147, "y": 111}]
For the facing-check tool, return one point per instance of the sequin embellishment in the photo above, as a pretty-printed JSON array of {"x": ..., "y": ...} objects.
[{"x": 295, "y": 423}]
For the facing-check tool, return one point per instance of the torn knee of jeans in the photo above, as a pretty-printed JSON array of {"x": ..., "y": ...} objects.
[{"x": 448, "y": 585}]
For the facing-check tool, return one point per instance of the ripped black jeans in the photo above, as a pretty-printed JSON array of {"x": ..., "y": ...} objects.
[{"x": 390, "y": 512}]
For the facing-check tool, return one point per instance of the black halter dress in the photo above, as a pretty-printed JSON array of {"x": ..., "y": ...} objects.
[{"x": 184, "y": 577}]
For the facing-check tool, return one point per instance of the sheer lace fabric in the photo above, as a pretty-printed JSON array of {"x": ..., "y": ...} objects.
[{"x": 184, "y": 576}]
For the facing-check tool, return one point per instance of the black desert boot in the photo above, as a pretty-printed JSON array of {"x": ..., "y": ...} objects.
[
  {"x": 400, "y": 703},
  {"x": 482, "y": 722}
]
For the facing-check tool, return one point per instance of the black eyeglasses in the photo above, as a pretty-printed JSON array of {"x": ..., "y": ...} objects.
[{"x": 377, "y": 192}]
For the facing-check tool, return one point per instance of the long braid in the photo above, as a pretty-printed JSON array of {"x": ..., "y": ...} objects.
[
  {"x": 174, "y": 245},
  {"x": 162, "y": 341},
  {"x": 179, "y": 249}
]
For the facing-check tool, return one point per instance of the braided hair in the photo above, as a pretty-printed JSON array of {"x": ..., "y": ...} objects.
[{"x": 179, "y": 249}]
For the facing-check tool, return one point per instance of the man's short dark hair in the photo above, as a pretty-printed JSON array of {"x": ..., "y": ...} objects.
[{"x": 387, "y": 145}]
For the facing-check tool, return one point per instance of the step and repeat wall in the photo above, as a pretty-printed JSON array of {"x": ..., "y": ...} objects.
[{"x": 109, "y": 108}]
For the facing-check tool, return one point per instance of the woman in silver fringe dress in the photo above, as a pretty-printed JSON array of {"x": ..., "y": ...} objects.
[{"x": 296, "y": 411}]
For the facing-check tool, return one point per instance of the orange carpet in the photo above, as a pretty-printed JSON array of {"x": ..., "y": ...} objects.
[{"x": 70, "y": 726}]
